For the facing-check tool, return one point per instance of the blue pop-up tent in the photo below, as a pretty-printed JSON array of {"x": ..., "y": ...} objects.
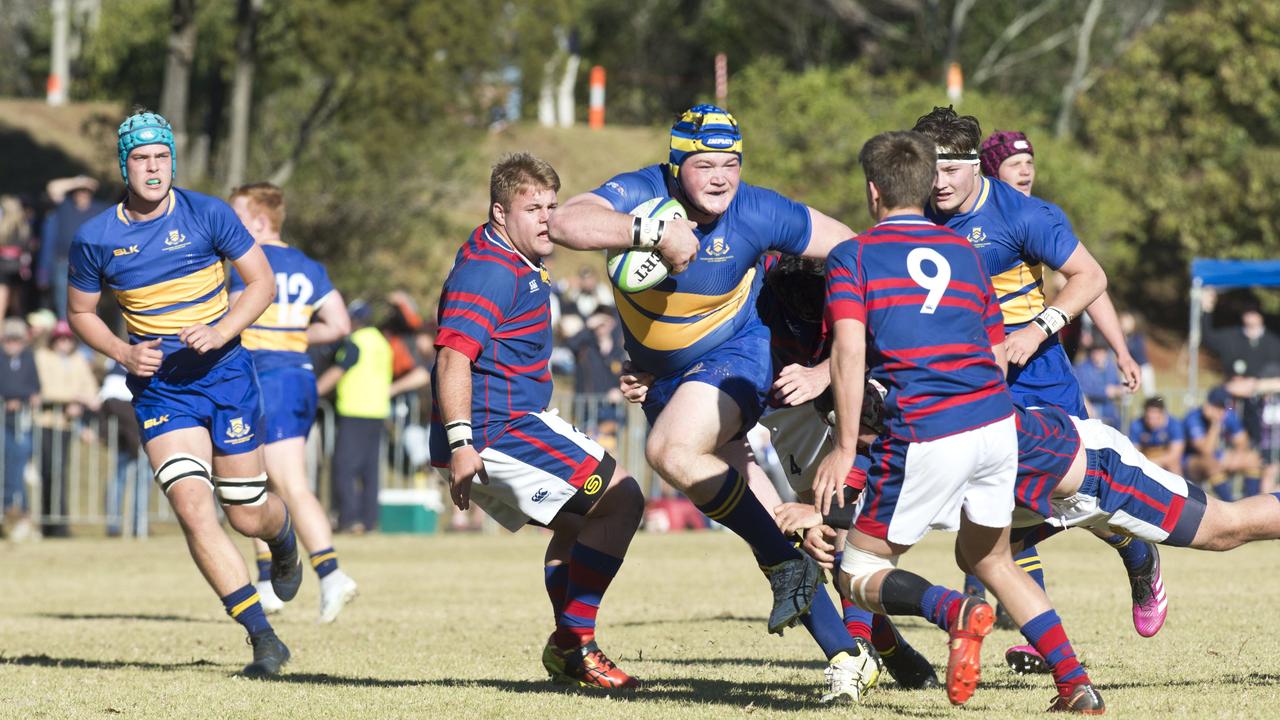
[{"x": 1222, "y": 274}]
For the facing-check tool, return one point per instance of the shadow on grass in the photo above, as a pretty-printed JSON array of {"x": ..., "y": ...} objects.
[
  {"x": 753, "y": 661},
  {"x": 88, "y": 664},
  {"x": 725, "y": 617},
  {"x": 703, "y": 691},
  {"x": 154, "y": 617}
]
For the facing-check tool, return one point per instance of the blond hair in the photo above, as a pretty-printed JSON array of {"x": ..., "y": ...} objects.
[
  {"x": 519, "y": 171},
  {"x": 265, "y": 198}
]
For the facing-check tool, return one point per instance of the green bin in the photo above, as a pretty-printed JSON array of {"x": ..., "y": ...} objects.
[{"x": 408, "y": 511}]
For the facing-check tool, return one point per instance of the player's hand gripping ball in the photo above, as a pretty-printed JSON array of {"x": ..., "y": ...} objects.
[{"x": 633, "y": 270}]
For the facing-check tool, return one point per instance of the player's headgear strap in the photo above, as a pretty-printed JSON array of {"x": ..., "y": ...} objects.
[
  {"x": 1000, "y": 146},
  {"x": 703, "y": 128},
  {"x": 146, "y": 128}
]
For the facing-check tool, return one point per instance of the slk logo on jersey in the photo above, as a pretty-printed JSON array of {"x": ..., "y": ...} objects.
[
  {"x": 697, "y": 368},
  {"x": 976, "y": 236},
  {"x": 540, "y": 496},
  {"x": 592, "y": 485},
  {"x": 154, "y": 422},
  {"x": 125, "y": 250}
]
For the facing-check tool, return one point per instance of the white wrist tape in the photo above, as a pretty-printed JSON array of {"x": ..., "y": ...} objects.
[
  {"x": 646, "y": 232},
  {"x": 458, "y": 433},
  {"x": 1051, "y": 320}
]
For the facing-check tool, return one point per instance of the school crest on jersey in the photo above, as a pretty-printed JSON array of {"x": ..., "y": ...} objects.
[
  {"x": 175, "y": 241},
  {"x": 239, "y": 430},
  {"x": 977, "y": 237},
  {"x": 718, "y": 250}
]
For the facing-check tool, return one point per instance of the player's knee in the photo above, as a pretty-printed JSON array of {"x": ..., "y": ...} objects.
[
  {"x": 248, "y": 520},
  {"x": 241, "y": 492},
  {"x": 668, "y": 455},
  {"x": 181, "y": 467},
  {"x": 858, "y": 570},
  {"x": 627, "y": 500}
]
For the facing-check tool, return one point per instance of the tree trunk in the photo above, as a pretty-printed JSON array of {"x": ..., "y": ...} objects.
[
  {"x": 242, "y": 89},
  {"x": 177, "y": 72},
  {"x": 1069, "y": 91}
]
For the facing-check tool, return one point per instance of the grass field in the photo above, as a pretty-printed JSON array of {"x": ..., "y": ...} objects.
[{"x": 453, "y": 626}]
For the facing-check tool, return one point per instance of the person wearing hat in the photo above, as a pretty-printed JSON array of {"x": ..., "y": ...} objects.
[
  {"x": 161, "y": 253},
  {"x": 1159, "y": 435},
  {"x": 699, "y": 334},
  {"x": 70, "y": 392},
  {"x": 74, "y": 206},
  {"x": 1218, "y": 446},
  {"x": 20, "y": 392}
]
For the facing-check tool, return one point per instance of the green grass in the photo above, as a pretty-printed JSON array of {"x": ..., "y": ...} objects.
[{"x": 453, "y": 626}]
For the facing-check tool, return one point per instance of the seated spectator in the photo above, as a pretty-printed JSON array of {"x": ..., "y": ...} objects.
[
  {"x": 20, "y": 391},
  {"x": 132, "y": 471},
  {"x": 1218, "y": 447},
  {"x": 70, "y": 391},
  {"x": 1100, "y": 384},
  {"x": 1159, "y": 435}
]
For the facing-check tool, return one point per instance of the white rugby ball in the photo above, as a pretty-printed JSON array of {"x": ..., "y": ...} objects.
[{"x": 634, "y": 270}]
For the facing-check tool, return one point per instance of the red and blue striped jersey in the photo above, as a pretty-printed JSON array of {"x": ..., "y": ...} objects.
[
  {"x": 495, "y": 309},
  {"x": 1047, "y": 445},
  {"x": 931, "y": 319}
]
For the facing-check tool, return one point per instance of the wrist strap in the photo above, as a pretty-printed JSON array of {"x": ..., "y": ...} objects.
[
  {"x": 1051, "y": 320},
  {"x": 458, "y": 433},
  {"x": 646, "y": 233}
]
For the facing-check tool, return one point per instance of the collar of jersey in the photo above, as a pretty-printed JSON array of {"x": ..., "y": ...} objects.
[
  {"x": 492, "y": 236},
  {"x": 983, "y": 195},
  {"x": 124, "y": 218},
  {"x": 906, "y": 220}
]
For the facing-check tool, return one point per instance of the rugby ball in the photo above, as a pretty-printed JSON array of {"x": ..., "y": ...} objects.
[{"x": 632, "y": 271}]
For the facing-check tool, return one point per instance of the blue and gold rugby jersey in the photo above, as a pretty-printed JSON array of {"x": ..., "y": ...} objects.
[
  {"x": 1016, "y": 236},
  {"x": 669, "y": 326},
  {"x": 279, "y": 338},
  {"x": 166, "y": 273}
]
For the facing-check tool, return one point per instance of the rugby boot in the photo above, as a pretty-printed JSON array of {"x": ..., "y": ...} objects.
[
  {"x": 793, "y": 583},
  {"x": 1025, "y": 660},
  {"x": 286, "y": 573},
  {"x": 269, "y": 656},
  {"x": 964, "y": 657},
  {"x": 589, "y": 667},
  {"x": 850, "y": 677},
  {"x": 1083, "y": 700},
  {"x": 553, "y": 662},
  {"x": 910, "y": 669},
  {"x": 336, "y": 590},
  {"x": 267, "y": 597},
  {"x": 1150, "y": 605}
]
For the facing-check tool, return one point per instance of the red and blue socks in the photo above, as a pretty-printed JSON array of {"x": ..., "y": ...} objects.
[
  {"x": 940, "y": 606},
  {"x": 885, "y": 636},
  {"x": 264, "y": 566},
  {"x": 737, "y": 508},
  {"x": 905, "y": 593},
  {"x": 589, "y": 575},
  {"x": 324, "y": 562},
  {"x": 556, "y": 578},
  {"x": 1134, "y": 553},
  {"x": 1044, "y": 632},
  {"x": 243, "y": 607},
  {"x": 857, "y": 622}
]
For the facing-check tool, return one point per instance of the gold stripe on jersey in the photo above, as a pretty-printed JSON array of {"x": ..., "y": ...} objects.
[
  {"x": 662, "y": 335},
  {"x": 171, "y": 323},
  {"x": 150, "y": 298},
  {"x": 285, "y": 340},
  {"x": 1024, "y": 307}
]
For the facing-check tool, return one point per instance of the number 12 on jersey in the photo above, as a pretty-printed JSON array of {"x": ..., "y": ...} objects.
[{"x": 293, "y": 298}]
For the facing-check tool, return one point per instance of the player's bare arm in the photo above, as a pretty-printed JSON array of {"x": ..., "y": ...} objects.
[
  {"x": 589, "y": 222},
  {"x": 259, "y": 289},
  {"x": 142, "y": 359},
  {"x": 1086, "y": 280},
  {"x": 848, "y": 368},
  {"x": 827, "y": 233},
  {"x": 331, "y": 322},
  {"x": 1103, "y": 313},
  {"x": 453, "y": 370}
]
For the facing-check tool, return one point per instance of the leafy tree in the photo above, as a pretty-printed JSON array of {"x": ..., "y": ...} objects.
[{"x": 1188, "y": 125}]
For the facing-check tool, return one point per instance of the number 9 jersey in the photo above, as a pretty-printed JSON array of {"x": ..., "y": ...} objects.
[
  {"x": 279, "y": 338},
  {"x": 931, "y": 318}
]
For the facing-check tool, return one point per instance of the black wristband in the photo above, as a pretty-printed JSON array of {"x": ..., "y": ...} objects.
[
  {"x": 841, "y": 518},
  {"x": 459, "y": 443},
  {"x": 635, "y": 232}
]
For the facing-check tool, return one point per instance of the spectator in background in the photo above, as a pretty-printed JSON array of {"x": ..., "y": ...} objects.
[
  {"x": 132, "y": 471},
  {"x": 1159, "y": 435},
  {"x": 1136, "y": 340},
  {"x": 598, "y": 357},
  {"x": 1100, "y": 383},
  {"x": 361, "y": 373},
  {"x": 15, "y": 240},
  {"x": 20, "y": 390},
  {"x": 75, "y": 205},
  {"x": 1243, "y": 349},
  {"x": 1218, "y": 448},
  {"x": 69, "y": 392},
  {"x": 401, "y": 327}
]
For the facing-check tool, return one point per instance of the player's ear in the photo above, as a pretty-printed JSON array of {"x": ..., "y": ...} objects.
[
  {"x": 499, "y": 214},
  {"x": 873, "y": 200}
]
